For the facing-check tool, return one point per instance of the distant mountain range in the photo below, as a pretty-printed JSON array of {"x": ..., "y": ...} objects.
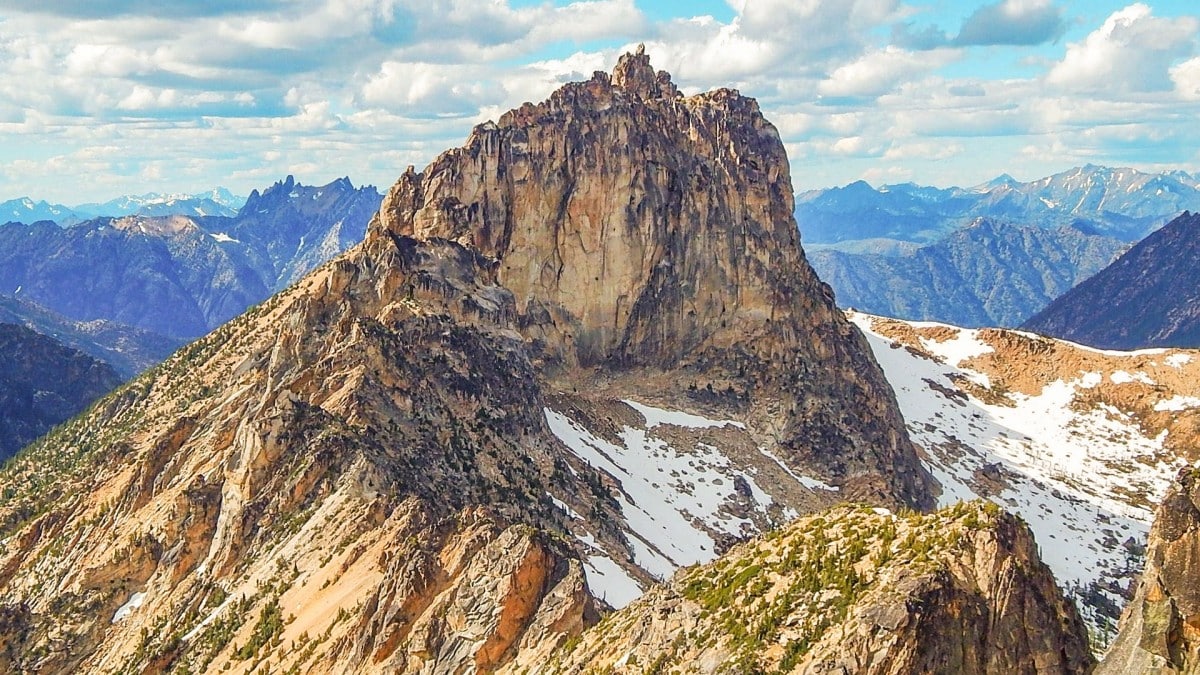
[
  {"x": 991, "y": 255},
  {"x": 1149, "y": 297},
  {"x": 26, "y": 210},
  {"x": 216, "y": 202},
  {"x": 127, "y": 349},
  {"x": 181, "y": 276},
  {"x": 986, "y": 274},
  {"x": 85, "y": 305},
  {"x": 1122, "y": 203}
]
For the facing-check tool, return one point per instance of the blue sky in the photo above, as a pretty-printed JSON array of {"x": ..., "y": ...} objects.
[{"x": 112, "y": 97}]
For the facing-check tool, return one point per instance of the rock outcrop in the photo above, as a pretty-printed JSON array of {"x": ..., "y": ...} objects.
[
  {"x": 853, "y": 590},
  {"x": 1160, "y": 630},
  {"x": 341, "y": 481}
]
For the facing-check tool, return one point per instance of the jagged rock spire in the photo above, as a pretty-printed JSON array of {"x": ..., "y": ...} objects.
[
  {"x": 634, "y": 74},
  {"x": 637, "y": 228}
]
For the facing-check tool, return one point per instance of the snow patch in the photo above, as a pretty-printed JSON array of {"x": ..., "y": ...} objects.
[
  {"x": 1122, "y": 377},
  {"x": 674, "y": 502},
  {"x": 964, "y": 347},
  {"x": 208, "y": 619},
  {"x": 565, "y": 507},
  {"x": 810, "y": 483},
  {"x": 1083, "y": 478},
  {"x": 1177, "y": 404},
  {"x": 609, "y": 582},
  {"x": 134, "y": 602},
  {"x": 1178, "y": 360},
  {"x": 656, "y": 416}
]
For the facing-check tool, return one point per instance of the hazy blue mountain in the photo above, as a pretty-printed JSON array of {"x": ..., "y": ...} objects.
[
  {"x": 43, "y": 383},
  {"x": 897, "y": 212},
  {"x": 181, "y": 276},
  {"x": 127, "y": 349},
  {"x": 987, "y": 274},
  {"x": 1121, "y": 203},
  {"x": 298, "y": 227},
  {"x": 26, "y": 210},
  {"x": 1149, "y": 297},
  {"x": 216, "y": 202}
]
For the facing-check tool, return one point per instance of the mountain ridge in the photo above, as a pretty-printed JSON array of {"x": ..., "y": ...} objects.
[
  {"x": 1149, "y": 295},
  {"x": 1081, "y": 443},
  {"x": 127, "y": 349},
  {"x": 181, "y": 276},
  {"x": 853, "y": 590},
  {"x": 988, "y": 273},
  {"x": 43, "y": 383}
]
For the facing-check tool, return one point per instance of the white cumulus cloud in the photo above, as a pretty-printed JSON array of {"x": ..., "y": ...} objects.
[
  {"x": 878, "y": 72},
  {"x": 1133, "y": 51}
]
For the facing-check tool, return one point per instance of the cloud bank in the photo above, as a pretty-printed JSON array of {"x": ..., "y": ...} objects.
[{"x": 110, "y": 97}]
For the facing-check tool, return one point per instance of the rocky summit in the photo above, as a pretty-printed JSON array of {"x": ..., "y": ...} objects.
[
  {"x": 636, "y": 229},
  {"x": 572, "y": 357}
]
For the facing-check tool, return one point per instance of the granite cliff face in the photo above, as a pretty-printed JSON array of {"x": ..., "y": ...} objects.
[
  {"x": 637, "y": 228},
  {"x": 1160, "y": 630},
  {"x": 425, "y": 457}
]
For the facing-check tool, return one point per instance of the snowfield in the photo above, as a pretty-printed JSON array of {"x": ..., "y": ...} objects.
[
  {"x": 1085, "y": 479},
  {"x": 1082, "y": 473},
  {"x": 676, "y": 502}
]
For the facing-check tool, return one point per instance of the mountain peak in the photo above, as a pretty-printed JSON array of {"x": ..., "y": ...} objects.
[
  {"x": 662, "y": 238},
  {"x": 395, "y": 452},
  {"x": 635, "y": 75},
  {"x": 1004, "y": 180}
]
